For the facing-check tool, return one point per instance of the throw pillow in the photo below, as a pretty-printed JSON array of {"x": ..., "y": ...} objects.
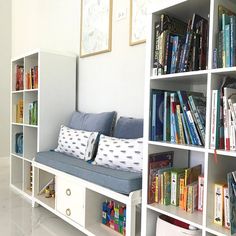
[
  {"x": 94, "y": 122},
  {"x": 123, "y": 154},
  {"x": 129, "y": 128},
  {"x": 77, "y": 143}
]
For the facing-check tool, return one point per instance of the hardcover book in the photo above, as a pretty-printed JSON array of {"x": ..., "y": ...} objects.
[{"x": 191, "y": 174}]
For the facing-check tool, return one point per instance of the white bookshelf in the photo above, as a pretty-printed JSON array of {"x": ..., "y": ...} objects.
[
  {"x": 201, "y": 81},
  {"x": 56, "y": 101}
]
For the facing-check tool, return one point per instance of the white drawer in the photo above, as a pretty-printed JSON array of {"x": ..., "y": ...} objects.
[{"x": 70, "y": 199}]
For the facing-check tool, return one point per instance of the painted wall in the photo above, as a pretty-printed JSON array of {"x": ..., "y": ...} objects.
[
  {"x": 5, "y": 57},
  {"x": 109, "y": 81}
]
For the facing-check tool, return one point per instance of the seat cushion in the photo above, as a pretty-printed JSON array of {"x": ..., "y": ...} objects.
[{"x": 118, "y": 180}]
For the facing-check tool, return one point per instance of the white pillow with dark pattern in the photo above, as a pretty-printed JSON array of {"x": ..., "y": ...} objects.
[
  {"x": 77, "y": 143},
  {"x": 122, "y": 154}
]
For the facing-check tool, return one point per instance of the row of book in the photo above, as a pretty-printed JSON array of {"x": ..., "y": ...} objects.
[
  {"x": 114, "y": 216},
  {"x": 183, "y": 187},
  {"x": 224, "y": 54},
  {"x": 19, "y": 77},
  {"x": 225, "y": 203},
  {"x": 33, "y": 113},
  {"x": 178, "y": 117},
  {"x": 223, "y": 116},
  {"x": 179, "y": 46},
  {"x": 32, "y": 78}
]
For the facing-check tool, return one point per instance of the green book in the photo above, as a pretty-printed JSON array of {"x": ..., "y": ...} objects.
[{"x": 176, "y": 174}]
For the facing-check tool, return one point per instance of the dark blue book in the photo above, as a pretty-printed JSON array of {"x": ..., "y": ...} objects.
[
  {"x": 175, "y": 43},
  {"x": 157, "y": 105}
]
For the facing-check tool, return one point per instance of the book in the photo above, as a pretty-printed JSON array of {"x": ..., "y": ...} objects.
[
  {"x": 156, "y": 48},
  {"x": 166, "y": 119},
  {"x": 218, "y": 204},
  {"x": 167, "y": 187},
  {"x": 215, "y": 120},
  {"x": 180, "y": 125},
  {"x": 176, "y": 175},
  {"x": 19, "y": 111},
  {"x": 232, "y": 40},
  {"x": 192, "y": 197},
  {"x": 157, "y": 99},
  {"x": 156, "y": 162},
  {"x": 231, "y": 179},
  {"x": 200, "y": 192},
  {"x": 192, "y": 173},
  {"x": 174, "y": 129},
  {"x": 181, "y": 192},
  {"x": 19, "y": 77},
  {"x": 226, "y": 207},
  {"x": 194, "y": 136}
]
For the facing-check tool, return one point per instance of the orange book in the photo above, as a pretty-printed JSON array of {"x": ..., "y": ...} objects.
[
  {"x": 181, "y": 193},
  {"x": 185, "y": 198}
]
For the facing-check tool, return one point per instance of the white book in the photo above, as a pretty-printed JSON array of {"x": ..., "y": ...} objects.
[
  {"x": 226, "y": 208},
  {"x": 213, "y": 119}
]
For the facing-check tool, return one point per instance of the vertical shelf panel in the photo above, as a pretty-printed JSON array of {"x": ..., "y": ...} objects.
[
  {"x": 30, "y": 142},
  {"x": 17, "y": 172}
]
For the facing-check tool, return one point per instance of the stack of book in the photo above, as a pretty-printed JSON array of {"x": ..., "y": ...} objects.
[
  {"x": 181, "y": 187},
  {"x": 32, "y": 78},
  {"x": 223, "y": 116},
  {"x": 180, "y": 46},
  {"x": 33, "y": 113},
  {"x": 178, "y": 117},
  {"x": 19, "y": 77},
  {"x": 224, "y": 54},
  {"x": 19, "y": 111},
  {"x": 225, "y": 203},
  {"x": 114, "y": 216}
]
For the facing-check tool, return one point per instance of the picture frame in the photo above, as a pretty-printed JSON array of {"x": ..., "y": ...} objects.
[
  {"x": 96, "y": 27},
  {"x": 138, "y": 14}
]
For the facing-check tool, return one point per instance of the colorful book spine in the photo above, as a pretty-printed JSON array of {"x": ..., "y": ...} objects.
[
  {"x": 200, "y": 192},
  {"x": 225, "y": 21},
  {"x": 192, "y": 197},
  {"x": 157, "y": 190},
  {"x": 226, "y": 124},
  {"x": 167, "y": 188},
  {"x": 181, "y": 193},
  {"x": 180, "y": 125},
  {"x": 215, "y": 117},
  {"x": 186, "y": 135},
  {"x": 227, "y": 46},
  {"x": 174, "y": 138},
  {"x": 218, "y": 204},
  {"x": 185, "y": 198},
  {"x": 175, "y": 188},
  {"x": 174, "y": 53},
  {"x": 226, "y": 208}
]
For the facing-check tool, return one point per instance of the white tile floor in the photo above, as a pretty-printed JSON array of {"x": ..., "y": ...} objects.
[{"x": 18, "y": 218}]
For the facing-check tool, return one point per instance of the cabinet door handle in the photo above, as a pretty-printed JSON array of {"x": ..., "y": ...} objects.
[
  {"x": 68, "y": 212},
  {"x": 68, "y": 192}
]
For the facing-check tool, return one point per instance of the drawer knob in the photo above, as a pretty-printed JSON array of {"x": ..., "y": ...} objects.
[
  {"x": 68, "y": 192},
  {"x": 68, "y": 212}
]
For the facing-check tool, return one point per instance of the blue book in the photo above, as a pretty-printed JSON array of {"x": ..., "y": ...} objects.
[
  {"x": 174, "y": 129},
  {"x": 175, "y": 40},
  {"x": 157, "y": 115},
  {"x": 232, "y": 40},
  {"x": 186, "y": 135},
  {"x": 194, "y": 136},
  {"x": 227, "y": 46},
  {"x": 166, "y": 119},
  {"x": 225, "y": 21}
]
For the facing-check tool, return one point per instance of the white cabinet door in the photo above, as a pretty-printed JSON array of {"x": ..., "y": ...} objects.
[{"x": 70, "y": 199}]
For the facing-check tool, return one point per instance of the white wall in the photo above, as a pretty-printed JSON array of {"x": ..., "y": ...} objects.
[
  {"x": 5, "y": 57},
  {"x": 109, "y": 81}
]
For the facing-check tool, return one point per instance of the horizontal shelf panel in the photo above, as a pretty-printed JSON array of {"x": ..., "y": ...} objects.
[
  {"x": 223, "y": 152},
  {"x": 192, "y": 75},
  {"x": 26, "y": 125},
  {"x": 194, "y": 219},
  {"x": 25, "y": 90},
  {"x": 17, "y": 155},
  {"x": 28, "y": 160},
  {"x": 217, "y": 229},
  {"x": 50, "y": 202},
  {"x": 178, "y": 146},
  {"x": 228, "y": 71}
]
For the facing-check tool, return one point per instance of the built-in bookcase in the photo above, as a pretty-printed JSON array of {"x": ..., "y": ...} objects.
[
  {"x": 42, "y": 101},
  {"x": 216, "y": 163}
]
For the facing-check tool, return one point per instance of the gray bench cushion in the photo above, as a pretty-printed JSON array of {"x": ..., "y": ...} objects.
[{"x": 120, "y": 181}]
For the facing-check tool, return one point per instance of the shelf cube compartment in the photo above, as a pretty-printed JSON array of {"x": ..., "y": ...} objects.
[
  {"x": 28, "y": 177},
  {"x": 17, "y": 140},
  {"x": 30, "y": 142},
  {"x": 17, "y": 108},
  {"x": 17, "y": 75}
]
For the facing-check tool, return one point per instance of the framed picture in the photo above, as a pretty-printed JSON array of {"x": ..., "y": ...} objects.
[
  {"x": 138, "y": 21},
  {"x": 96, "y": 27}
]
